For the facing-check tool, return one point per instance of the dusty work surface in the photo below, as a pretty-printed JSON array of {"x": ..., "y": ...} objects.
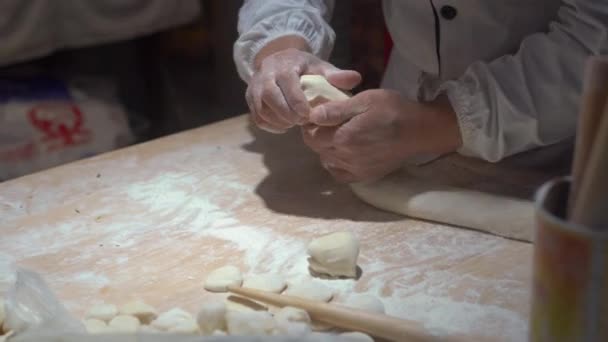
[{"x": 150, "y": 221}]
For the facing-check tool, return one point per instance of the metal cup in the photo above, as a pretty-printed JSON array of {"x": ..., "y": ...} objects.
[{"x": 570, "y": 282}]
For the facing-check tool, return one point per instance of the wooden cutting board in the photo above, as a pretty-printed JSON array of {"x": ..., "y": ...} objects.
[{"x": 151, "y": 220}]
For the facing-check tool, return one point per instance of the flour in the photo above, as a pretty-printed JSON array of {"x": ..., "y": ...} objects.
[{"x": 177, "y": 201}]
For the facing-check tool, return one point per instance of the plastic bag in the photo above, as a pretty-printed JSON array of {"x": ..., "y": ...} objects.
[
  {"x": 45, "y": 122},
  {"x": 35, "y": 314}
]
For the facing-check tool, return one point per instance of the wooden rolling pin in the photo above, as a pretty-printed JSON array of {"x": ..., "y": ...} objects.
[
  {"x": 378, "y": 325},
  {"x": 591, "y": 205},
  {"x": 593, "y": 101}
]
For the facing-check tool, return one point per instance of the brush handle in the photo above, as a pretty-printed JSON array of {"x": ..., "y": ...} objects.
[
  {"x": 378, "y": 325},
  {"x": 593, "y": 101}
]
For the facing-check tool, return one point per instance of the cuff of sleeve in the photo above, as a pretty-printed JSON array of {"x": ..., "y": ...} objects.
[
  {"x": 467, "y": 108},
  {"x": 315, "y": 31}
]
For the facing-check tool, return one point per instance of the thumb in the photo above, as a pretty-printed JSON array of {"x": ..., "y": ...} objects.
[
  {"x": 343, "y": 79},
  {"x": 334, "y": 113}
]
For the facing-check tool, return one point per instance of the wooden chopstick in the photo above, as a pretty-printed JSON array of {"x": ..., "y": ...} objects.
[
  {"x": 593, "y": 101},
  {"x": 378, "y": 325},
  {"x": 591, "y": 205}
]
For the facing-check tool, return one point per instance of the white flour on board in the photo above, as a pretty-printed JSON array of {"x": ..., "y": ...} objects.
[{"x": 166, "y": 206}]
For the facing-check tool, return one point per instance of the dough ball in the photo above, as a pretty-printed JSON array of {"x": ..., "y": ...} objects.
[
  {"x": 148, "y": 329},
  {"x": 175, "y": 320},
  {"x": 124, "y": 324},
  {"x": 219, "y": 279},
  {"x": 249, "y": 323},
  {"x": 318, "y": 90},
  {"x": 366, "y": 302},
  {"x": 95, "y": 326},
  {"x": 137, "y": 308},
  {"x": 356, "y": 337},
  {"x": 334, "y": 254},
  {"x": 236, "y": 303},
  {"x": 266, "y": 282},
  {"x": 310, "y": 290},
  {"x": 292, "y": 314},
  {"x": 293, "y": 329},
  {"x": 212, "y": 316},
  {"x": 104, "y": 312}
]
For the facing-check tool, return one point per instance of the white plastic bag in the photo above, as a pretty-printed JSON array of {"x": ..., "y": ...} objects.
[{"x": 45, "y": 122}]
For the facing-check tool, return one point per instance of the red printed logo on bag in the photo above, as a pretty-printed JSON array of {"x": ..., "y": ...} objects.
[{"x": 60, "y": 123}]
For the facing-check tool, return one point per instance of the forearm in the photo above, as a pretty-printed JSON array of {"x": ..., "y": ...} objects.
[{"x": 280, "y": 44}]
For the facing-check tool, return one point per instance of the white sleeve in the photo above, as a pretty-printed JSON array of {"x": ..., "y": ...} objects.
[
  {"x": 530, "y": 99},
  {"x": 261, "y": 21}
]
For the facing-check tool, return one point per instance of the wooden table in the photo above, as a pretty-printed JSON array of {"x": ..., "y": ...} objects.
[{"x": 151, "y": 220}]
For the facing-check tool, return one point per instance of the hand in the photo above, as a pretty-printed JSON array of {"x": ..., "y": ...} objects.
[
  {"x": 274, "y": 96},
  {"x": 373, "y": 133}
]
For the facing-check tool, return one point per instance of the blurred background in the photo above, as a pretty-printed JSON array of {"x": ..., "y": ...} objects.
[{"x": 79, "y": 78}]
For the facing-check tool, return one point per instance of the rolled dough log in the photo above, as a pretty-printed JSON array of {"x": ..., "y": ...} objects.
[{"x": 398, "y": 193}]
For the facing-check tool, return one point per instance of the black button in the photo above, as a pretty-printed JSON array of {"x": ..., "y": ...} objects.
[{"x": 448, "y": 12}]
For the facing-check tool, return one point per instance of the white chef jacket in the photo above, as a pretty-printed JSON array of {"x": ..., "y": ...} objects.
[{"x": 512, "y": 69}]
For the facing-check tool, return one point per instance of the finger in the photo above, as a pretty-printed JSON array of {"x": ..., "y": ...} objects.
[
  {"x": 274, "y": 119},
  {"x": 341, "y": 175},
  {"x": 318, "y": 138},
  {"x": 253, "y": 96},
  {"x": 273, "y": 98},
  {"x": 334, "y": 113},
  {"x": 289, "y": 83},
  {"x": 343, "y": 79},
  {"x": 266, "y": 126}
]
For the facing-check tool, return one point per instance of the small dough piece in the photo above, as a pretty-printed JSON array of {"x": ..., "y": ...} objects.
[
  {"x": 219, "y": 333},
  {"x": 356, "y": 336},
  {"x": 104, "y": 312},
  {"x": 211, "y": 317},
  {"x": 294, "y": 329},
  {"x": 148, "y": 329},
  {"x": 366, "y": 302},
  {"x": 334, "y": 254},
  {"x": 175, "y": 320},
  {"x": 250, "y": 323},
  {"x": 318, "y": 90},
  {"x": 95, "y": 326},
  {"x": 144, "y": 312},
  {"x": 310, "y": 290},
  {"x": 291, "y": 314},
  {"x": 266, "y": 282},
  {"x": 124, "y": 324},
  {"x": 219, "y": 279}
]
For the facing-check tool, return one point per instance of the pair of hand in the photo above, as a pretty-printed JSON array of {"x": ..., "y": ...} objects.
[{"x": 359, "y": 139}]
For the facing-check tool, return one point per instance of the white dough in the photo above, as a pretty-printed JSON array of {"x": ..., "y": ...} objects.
[
  {"x": 310, "y": 290},
  {"x": 288, "y": 328},
  {"x": 318, "y": 90},
  {"x": 219, "y": 279},
  {"x": 366, "y": 302},
  {"x": 188, "y": 326},
  {"x": 357, "y": 337},
  {"x": 144, "y": 312},
  {"x": 266, "y": 282},
  {"x": 124, "y": 324},
  {"x": 104, "y": 312},
  {"x": 212, "y": 316},
  {"x": 167, "y": 321},
  {"x": 250, "y": 323},
  {"x": 334, "y": 254},
  {"x": 95, "y": 326},
  {"x": 148, "y": 329},
  {"x": 292, "y": 314}
]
